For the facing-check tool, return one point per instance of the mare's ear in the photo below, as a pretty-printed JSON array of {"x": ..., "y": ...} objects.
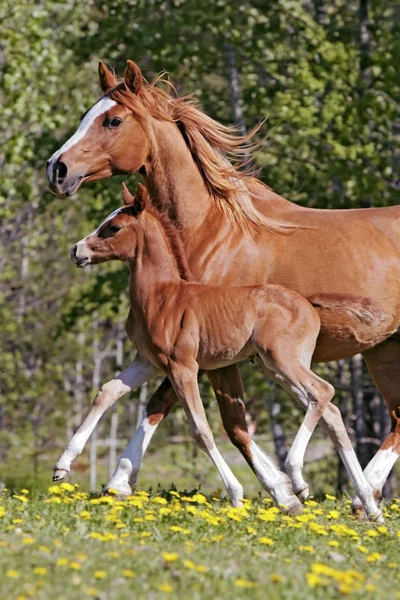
[
  {"x": 127, "y": 197},
  {"x": 141, "y": 199},
  {"x": 107, "y": 79},
  {"x": 133, "y": 77}
]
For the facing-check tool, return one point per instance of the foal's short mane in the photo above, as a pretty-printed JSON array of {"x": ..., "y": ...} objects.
[
  {"x": 212, "y": 145},
  {"x": 174, "y": 239}
]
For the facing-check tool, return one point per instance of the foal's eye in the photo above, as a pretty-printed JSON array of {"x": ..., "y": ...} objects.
[
  {"x": 114, "y": 123},
  {"x": 114, "y": 228}
]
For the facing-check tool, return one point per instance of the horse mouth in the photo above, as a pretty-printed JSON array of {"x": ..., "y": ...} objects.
[{"x": 81, "y": 262}]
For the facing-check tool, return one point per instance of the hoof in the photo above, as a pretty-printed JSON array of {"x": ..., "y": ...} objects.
[
  {"x": 295, "y": 508},
  {"x": 59, "y": 474},
  {"x": 122, "y": 491},
  {"x": 303, "y": 494},
  {"x": 377, "y": 517}
]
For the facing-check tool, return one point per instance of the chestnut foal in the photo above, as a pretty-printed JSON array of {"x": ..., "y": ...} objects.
[{"x": 179, "y": 326}]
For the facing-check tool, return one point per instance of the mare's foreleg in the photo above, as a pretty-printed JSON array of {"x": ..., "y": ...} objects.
[
  {"x": 138, "y": 372},
  {"x": 154, "y": 412},
  {"x": 228, "y": 388},
  {"x": 184, "y": 380}
]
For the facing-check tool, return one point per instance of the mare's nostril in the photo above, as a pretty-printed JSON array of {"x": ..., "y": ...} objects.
[
  {"x": 73, "y": 251},
  {"x": 60, "y": 171}
]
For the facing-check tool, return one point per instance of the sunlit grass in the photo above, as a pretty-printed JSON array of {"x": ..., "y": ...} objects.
[{"x": 68, "y": 544}]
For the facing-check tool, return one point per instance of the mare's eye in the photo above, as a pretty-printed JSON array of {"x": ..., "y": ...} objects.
[
  {"x": 113, "y": 123},
  {"x": 114, "y": 228}
]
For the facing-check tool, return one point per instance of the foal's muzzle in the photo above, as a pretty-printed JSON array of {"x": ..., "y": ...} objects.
[{"x": 80, "y": 261}]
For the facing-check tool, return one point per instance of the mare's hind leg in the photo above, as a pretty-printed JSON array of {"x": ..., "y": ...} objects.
[
  {"x": 228, "y": 388},
  {"x": 383, "y": 363}
]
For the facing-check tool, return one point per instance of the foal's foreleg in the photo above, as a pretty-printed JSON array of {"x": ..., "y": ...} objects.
[
  {"x": 130, "y": 461},
  {"x": 228, "y": 388},
  {"x": 138, "y": 372},
  {"x": 184, "y": 380}
]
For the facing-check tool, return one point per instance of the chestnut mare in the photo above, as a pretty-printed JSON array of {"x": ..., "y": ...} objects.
[
  {"x": 236, "y": 231},
  {"x": 180, "y": 326}
]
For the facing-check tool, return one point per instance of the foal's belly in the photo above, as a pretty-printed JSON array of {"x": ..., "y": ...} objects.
[{"x": 223, "y": 358}]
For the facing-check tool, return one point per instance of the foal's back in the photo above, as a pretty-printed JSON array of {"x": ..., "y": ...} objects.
[{"x": 229, "y": 324}]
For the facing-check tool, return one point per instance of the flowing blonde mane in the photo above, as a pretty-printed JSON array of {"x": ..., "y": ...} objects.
[{"x": 220, "y": 153}]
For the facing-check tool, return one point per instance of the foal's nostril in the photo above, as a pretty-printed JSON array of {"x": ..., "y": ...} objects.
[
  {"x": 73, "y": 251},
  {"x": 60, "y": 171}
]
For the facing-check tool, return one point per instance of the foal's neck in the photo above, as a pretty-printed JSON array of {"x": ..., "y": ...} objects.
[
  {"x": 173, "y": 178},
  {"x": 155, "y": 263}
]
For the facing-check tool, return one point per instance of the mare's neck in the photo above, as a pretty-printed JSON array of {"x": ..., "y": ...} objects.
[
  {"x": 153, "y": 266},
  {"x": 173, "y": 178}
]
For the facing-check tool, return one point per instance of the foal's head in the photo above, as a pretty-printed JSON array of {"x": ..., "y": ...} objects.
[{"x": 116, "y": 237}]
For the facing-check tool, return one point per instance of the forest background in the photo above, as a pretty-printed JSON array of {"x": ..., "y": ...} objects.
[{"x": 325, "y": 75}]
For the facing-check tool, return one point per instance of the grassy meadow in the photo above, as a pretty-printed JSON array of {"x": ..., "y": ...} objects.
[{"x": 69, "y": 544}]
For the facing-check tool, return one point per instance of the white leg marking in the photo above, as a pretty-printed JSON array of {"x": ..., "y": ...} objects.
[
  {"x": 377, "y": 471},
  {"x": 129, "y": 464},
  {"x": 363, "y": 488},
  {"x": 234, "y": 488},
  {"x": 273, "y": 480},
  {"x": 97, "y": 109},
  {"x": 295, "y": 459},
  {"x": 138, "y": 372}
]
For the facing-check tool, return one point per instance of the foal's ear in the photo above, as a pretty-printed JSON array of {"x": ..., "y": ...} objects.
[
  {"x": 133, "y": 77},
  {"x": 107, "y": 79},
  {"x": 127, "y": 196},
  {"x": 141, "y": 198}
]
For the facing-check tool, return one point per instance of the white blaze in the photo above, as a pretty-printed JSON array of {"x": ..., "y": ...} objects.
[{"x": 97, "y": 109}]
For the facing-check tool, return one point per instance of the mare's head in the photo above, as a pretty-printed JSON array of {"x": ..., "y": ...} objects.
[
  {"x": 110, "y": 139},
  {"x": 116, "y": 237}
]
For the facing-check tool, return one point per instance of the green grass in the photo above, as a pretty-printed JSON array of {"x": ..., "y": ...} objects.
[{"x": 66, "y": 544}]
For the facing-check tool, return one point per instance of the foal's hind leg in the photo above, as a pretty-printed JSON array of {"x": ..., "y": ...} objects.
[
  {"x": 286, "y": 363},
  {"x": 383, "y": 363},
  {"x": 228, "y": 388}
]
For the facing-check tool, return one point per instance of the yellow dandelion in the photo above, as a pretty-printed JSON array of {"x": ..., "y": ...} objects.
[
  {"x": 309, "y": 549},
  {"x": 265, "y": 540},
  {"x": 166, "y": 587},
  {"x": 100, "y": 574},
  {"x": 244, "y": 583},
  {"x": 128, "y": 573},
  {"x": 75, "y": 566},
  {"x": 40, "y": 570},
  {"x": 333, "y": 543},
  {"x": 275, "y": 578},
  {"x": 12, "y": 574},
  {"x": 159, "y": 500},
  {"x": 28, "y": 540},
  {"x": 329, "y": 497},
  {"x": 374, "y": 557},
  {"x": 92, "y": 591},
  {"x": 170, "y": 557},
  {"x": 62, "y": 562}
]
